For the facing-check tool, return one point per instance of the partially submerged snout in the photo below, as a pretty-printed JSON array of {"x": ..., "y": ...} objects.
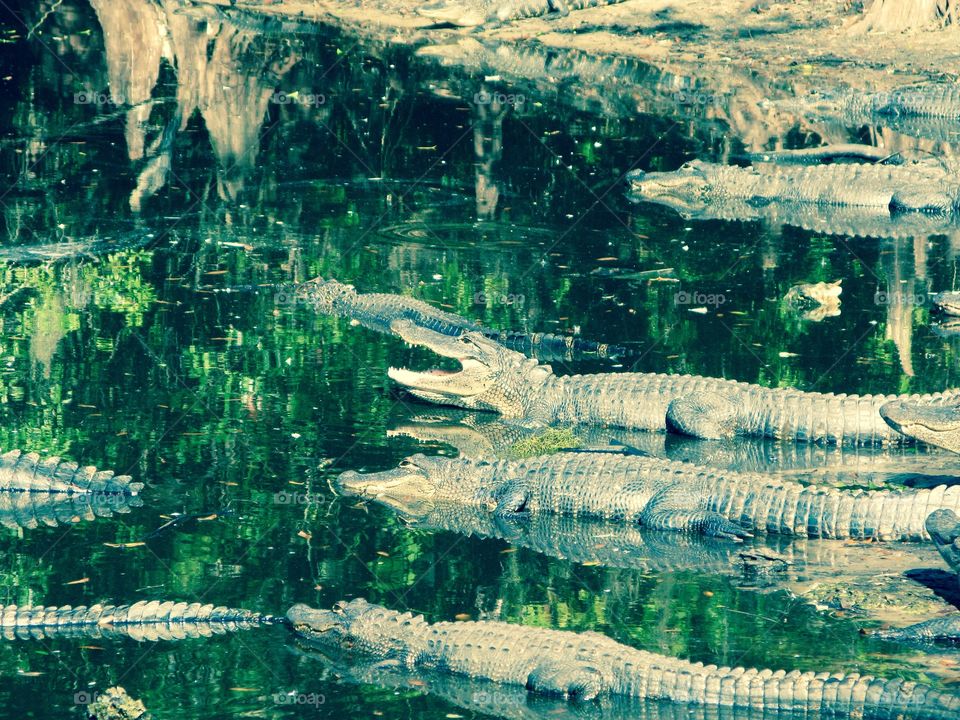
[
  {"x": 311, "y": 622},
  {"x": 682, "y": 190},
  {"x": 408, "y": 488},
  {"x": 934, "y": 424}
]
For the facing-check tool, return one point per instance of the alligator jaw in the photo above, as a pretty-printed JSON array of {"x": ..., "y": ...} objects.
[
  {"x": 312, "y": 623},
  {"x": 934, "y": 424},
  {"x": 468, "y": 349},
  {"x": 406, "y": 489}
]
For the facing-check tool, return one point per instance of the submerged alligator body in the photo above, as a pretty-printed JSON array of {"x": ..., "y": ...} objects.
[
  {"x": 153, "y": 620},
  {"x": 29, "y": 510},
  {"x": 470, "y": 13},
  {"x": 486, "y": 435},
  {"x": 377, "y": 310},
  {"x": 30, "y": 473},
  {"x": 590, "y": 665},
  {"x": 511, "y": 702},
  {"x": 657, "y": 494},
  {"x": 494, "y": 378},
  {"x": 866, "y": 200}
]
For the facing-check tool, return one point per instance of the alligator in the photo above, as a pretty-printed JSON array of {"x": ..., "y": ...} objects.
[
  {"x": 29, "y": 510},
  {"x": 815, "y": 301},
  {"x": 862, "y": 199},
  {"x": 512, "y": 702},
  {"x": 29, "y": 473},
  {"x": 588, "y": 665},
  {"x": 943, "y": 527},
  {"x": 377, "y": 310},
  {"x": 657, "y": 494},
  {"x": 927, "y": 110},
  {"x": 142, "y": 621},
  {"x": 934, "y": 423},
  {"x": 497, "y": 379},
  {"x": 471, "y": 13}
]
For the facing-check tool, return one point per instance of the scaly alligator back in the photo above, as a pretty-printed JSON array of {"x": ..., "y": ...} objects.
[
  {"x": 641, "y": 401},
  {"x": 588, "y": 665},
  {"x": 152, "y": 620},
  {"x": 21, "y": 472}
]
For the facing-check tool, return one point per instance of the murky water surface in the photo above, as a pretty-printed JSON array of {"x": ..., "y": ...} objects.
[{"x": 158, "y": 185}]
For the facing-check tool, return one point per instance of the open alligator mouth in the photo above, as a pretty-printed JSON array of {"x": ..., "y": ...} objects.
[{"x": 438, "y": 384}]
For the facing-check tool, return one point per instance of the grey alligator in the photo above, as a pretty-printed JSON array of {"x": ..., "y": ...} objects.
[
  {"x": 589, "y": 665},
  {"x": 470, "y": 13},
  {"x": 377, "y": 310},
  {"x": 511, "y": 702},
  {"x": 947, "y": 302},
  {"x": 28, "y": 472},
  {"x": 657, "y": 494},
  {"x": 153, "y": 620},
  {"x": 494, "y": 378},
  {"x": 944, "y": 528},
  {"x": 867, "y": 200}
]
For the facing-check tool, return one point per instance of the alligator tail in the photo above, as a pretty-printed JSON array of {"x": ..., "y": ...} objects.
[
  {"x": 792, "y": 509},
  {"x": 31, "y": 473},
  {"x": 146, "y": 620}
]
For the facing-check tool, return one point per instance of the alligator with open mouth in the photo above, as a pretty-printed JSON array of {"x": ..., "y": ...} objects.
[
  {"x": 657, "y": 494},
  {"x": 377, "y": 310},
  {"x": 146, "y": 620},
  {"x": 496, "y": 379},
  {"x": 861, "y": 199},
  {"x": 589, "y": 665}
]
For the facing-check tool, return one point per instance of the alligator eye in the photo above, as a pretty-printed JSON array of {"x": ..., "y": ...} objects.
[{"x": 407, "y": 464}]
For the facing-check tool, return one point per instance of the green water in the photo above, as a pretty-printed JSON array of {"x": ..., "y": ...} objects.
[{"x": 152, "y": 352}]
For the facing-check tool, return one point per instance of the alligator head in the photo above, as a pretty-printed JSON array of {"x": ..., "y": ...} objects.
[
  {"x": 416, "y": 484},
  {"x": 685, "y": 190},
  {"x": 491, "y": 376},
  {"x": 935, "y": 424},
  {"x": 944, "y": 528},
  {"x": 356, "y": 625}
]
